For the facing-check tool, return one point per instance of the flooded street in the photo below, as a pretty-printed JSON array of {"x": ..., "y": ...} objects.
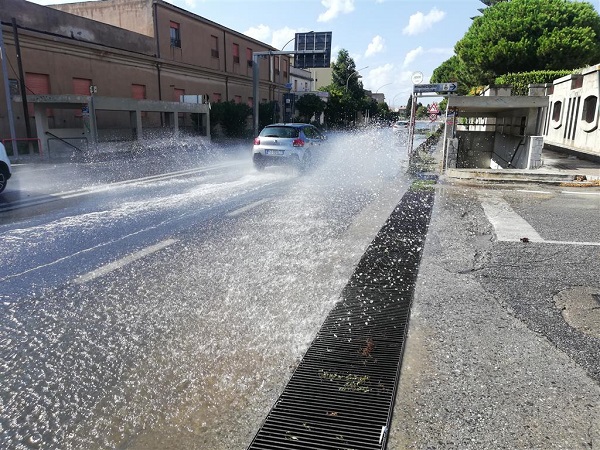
[{"x": 169, "y": 311}]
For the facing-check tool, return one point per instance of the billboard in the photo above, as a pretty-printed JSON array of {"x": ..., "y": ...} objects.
[{"x": 312, "y": 50}]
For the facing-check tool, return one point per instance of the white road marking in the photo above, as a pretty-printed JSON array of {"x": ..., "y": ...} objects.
[
  {"x": 105, "y": 187},
  {"x": 123, "y": 261},
  {"x": 510, "y": 227},
  {"x": 580, "y": 193},
  {"x": 533, "y": 192},
  {"x": 243, "y": 209}
]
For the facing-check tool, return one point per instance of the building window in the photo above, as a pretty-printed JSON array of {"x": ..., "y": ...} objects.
[
  {"x": 37, "y": 84},
  {"x": 175, "y": 36},
  {"x": 214, "y": 50},
  {"x": 589, "y": 114},
  {"x": 590, "y": 107},
  {"x": 138, "y": 92},
  {"x": 216, "y": 97},
  {"x": 249, "y": 56},
  {"x": 285, "y": 68},
  {"x": 236, "y": 53},
  {"x": 177, "y": 94},
  {"x": 557, "y": 114},
  {"x": 276, "y": 65}
]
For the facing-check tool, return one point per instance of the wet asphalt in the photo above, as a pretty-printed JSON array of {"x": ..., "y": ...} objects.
[{"x": 503, "y": 348}]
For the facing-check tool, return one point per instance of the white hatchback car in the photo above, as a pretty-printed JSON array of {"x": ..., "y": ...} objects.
[
  {"x": 297, "y": 144},
  {"x": 5, "y": 169},
  {"x": 400, "y": 125}
]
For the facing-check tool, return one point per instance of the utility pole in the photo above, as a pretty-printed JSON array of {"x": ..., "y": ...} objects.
[
  {"x": 21, "y": 78},
  {"x": 11, "y": 120}
]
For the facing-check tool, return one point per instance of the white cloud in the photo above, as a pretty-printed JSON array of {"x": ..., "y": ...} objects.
[
  {"x": 412, "y": 56},
  {"x": 379, "y": 76},
  {"x": 260, "y": 33},
  {"x": 419, "y": 22},
  {"x": 282, "y": 37},
  {"x": 377, "y": 45},
  {"x": 335, "y": 8},
  {"x": 420, "y": 53}
]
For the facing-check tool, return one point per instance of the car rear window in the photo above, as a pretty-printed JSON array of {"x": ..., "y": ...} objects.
[{"x": 280, "y": 132}]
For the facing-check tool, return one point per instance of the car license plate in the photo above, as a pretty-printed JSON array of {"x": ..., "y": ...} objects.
[{"x": 274, "y": 152}]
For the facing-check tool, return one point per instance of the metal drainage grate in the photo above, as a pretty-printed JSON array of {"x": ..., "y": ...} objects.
[{"x": 342, "y": 393}]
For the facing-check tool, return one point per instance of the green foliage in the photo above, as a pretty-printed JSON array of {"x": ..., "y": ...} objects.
[
  {"x": 231, "y": 116},
  {"x": 520, "y": 81},
  {"x": 266, "y": 114},
  {"x": 309, "y": 105},
  {"x": 346, "y": 95},
  {"x": 452, "y": 70},
  {"x": 524, "y": 36}
]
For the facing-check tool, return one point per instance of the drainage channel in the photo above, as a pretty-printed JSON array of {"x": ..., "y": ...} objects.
[{"x": 342, "y": 393}]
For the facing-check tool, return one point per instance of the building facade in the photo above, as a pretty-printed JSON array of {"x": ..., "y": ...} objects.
[
  {"x": 136, "y": 49},
  {"x": 573, "y": 115}
]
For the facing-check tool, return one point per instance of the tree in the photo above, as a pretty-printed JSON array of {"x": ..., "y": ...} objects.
[
  {"x": 453, "y": 70},
  {"x": 346, "y": 93},
  {"x": 309, "y": 105},
  {"x": 527, "y": 35},
  {"x": 231, "y": 116}
]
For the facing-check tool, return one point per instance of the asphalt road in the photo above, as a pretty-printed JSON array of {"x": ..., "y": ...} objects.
[
  {"x": 504, "y": 334},
  {"x": 151, "y": 304}
]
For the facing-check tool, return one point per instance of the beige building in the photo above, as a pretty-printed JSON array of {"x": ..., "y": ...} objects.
[{"x": 133, "y": 49}]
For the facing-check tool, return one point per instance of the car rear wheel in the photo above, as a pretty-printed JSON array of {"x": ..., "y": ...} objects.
[
  {"x": 307, "y": 161},
  {"x": 3, "y": 180},
  {"x": 259, "y": 162}
]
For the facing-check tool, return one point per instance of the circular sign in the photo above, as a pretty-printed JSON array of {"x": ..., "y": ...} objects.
[{"x": 417, "y": 78}]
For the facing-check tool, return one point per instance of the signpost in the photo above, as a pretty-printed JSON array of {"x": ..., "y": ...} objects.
[
  {"x": 433, "y": 111},
  {"x": 311, "y": 50},
  {"x": 436, "y": 87}
]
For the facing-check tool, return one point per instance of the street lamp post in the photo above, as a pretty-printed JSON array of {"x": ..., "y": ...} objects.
[
  {"x": 387, "y": 84},
  {"x": 354, "y": 73}
]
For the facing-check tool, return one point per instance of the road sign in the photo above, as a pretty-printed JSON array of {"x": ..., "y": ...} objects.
[
  {"x": 433, "y": 117},
  {"x": 417, "y": 78},
  {"x": 436, "y": 87},
  {"x": 433, "y": 109},
  {"x": 317, "y": 42}
]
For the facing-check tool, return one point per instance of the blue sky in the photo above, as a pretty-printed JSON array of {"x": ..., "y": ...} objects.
[{"x": 390, "y": 39}]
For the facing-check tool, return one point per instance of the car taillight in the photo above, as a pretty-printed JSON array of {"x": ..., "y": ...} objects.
[
  {"x": 298, "y": 143},
  {"x": 256, "y": 141}
]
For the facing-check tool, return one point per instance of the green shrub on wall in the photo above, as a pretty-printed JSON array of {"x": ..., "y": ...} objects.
[{"x": 520, "y": 81}]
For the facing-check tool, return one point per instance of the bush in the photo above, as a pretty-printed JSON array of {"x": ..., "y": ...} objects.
[
  {"x": 232, "y": 118},
  {"x": 520, "y": 81}
]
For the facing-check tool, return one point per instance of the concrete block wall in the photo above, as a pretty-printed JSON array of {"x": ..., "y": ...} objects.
[{"x": 573, "y": 116}]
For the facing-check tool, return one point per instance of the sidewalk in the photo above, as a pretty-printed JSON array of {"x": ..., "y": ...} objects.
[
  {"x": 557, "y": 168},
  {"x": 490, "y": 362}
]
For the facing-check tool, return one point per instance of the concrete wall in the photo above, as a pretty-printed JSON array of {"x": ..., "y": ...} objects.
[
  {"x": 573, "y": 116},
  {"x": 36, "y": 17},
  {"x": 474, "y": 149},
  {"x": 133, "y": 15}
]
